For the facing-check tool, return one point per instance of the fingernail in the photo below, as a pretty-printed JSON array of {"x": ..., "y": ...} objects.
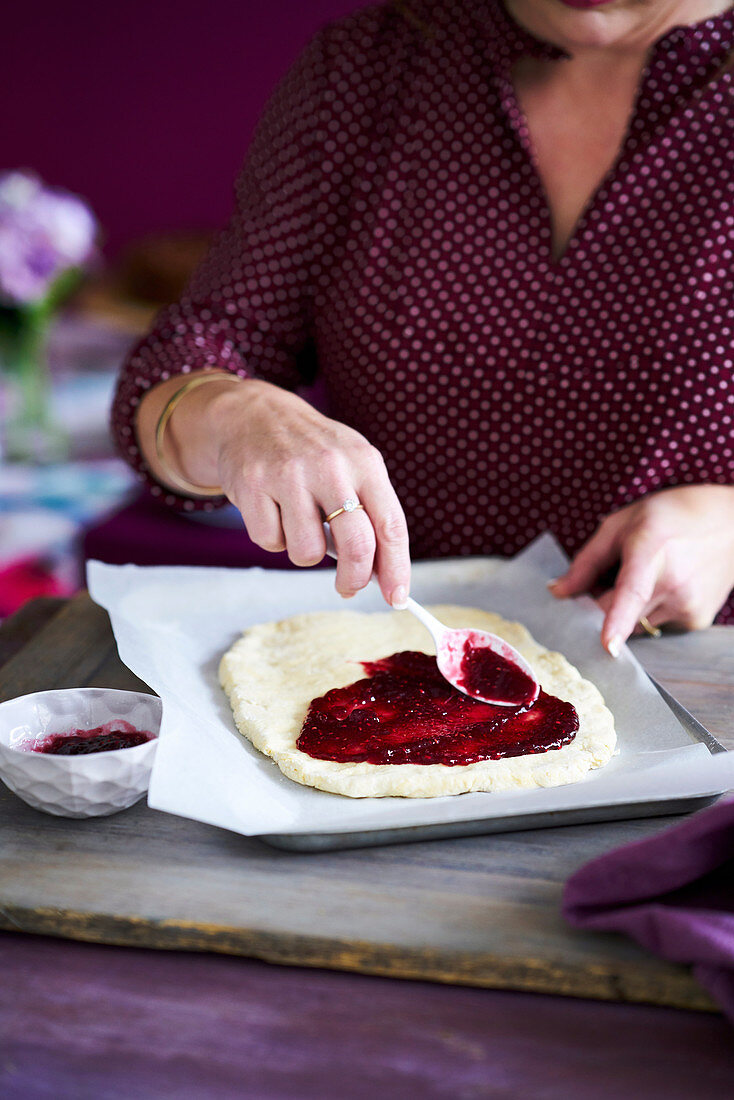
[
  {"x": 553, "y": 582},
  {"x": 614, "y": 646},
  {"x": 398, "y": 598}
]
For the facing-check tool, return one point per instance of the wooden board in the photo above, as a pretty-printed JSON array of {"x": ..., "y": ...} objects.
[{"x": 480, "y": 911}]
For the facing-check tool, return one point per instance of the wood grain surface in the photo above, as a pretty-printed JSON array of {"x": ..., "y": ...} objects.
[{"x": 478, "y": 911}]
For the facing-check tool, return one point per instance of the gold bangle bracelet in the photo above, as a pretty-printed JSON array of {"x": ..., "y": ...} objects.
[{"x": 178, "y": 479}]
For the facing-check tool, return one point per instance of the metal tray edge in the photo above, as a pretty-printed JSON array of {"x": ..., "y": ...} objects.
[{"x": 326, "y": 842}]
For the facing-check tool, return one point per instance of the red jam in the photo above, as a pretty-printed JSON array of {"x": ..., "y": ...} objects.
[
  {"x": 113, "y": 735},
  {"x": 484, "y": 673},
  {"x": 405, "y": 712}
]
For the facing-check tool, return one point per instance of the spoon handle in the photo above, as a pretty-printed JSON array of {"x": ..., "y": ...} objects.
[
  {"x": 435, "y": 628},
  {"x": 330, "y": 547},
  {"x": 432, "y": 625}
]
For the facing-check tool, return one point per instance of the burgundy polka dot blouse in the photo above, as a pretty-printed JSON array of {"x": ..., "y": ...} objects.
[{"x": 391, "y": 232}]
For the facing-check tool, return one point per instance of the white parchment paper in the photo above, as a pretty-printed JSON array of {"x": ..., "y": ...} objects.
[{"x": 173, "y": 623}]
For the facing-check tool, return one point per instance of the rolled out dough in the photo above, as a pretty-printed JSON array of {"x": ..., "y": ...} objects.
[{"x": 274, "y": 671}]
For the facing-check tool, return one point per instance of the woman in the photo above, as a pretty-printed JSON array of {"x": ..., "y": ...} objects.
[{"x": 503, "y": 235}]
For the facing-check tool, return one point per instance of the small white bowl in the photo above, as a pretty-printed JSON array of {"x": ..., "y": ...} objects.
[{"x": 92, "y": 785}]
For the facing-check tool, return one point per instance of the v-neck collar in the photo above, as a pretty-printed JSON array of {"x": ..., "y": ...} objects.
[
  {"x": 684, "y": 48},
  {"x": 507, "y": 40}
]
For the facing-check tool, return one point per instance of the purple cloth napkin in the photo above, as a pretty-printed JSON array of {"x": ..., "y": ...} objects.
[{"x": 673, "y": 893}]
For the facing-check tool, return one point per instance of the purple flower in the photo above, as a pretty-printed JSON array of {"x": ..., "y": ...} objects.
[{"x": 44, "y": 231}]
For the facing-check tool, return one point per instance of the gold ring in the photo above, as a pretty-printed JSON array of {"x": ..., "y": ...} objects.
[
  {"x": 647, "y": 626},
  {"x": 349, "y": 505}
]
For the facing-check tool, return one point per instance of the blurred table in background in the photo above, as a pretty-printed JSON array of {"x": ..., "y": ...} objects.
[
  {"x": 47, "y": 511},
  {"x": 44, "y": 509},
  {"x": 85, "y": 354}
]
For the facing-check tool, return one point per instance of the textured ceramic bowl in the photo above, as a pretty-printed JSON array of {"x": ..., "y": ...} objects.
[{"x": 94, "y": 785}]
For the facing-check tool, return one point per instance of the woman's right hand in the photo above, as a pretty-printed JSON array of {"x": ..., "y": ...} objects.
[{"x": 285, "y": 466}]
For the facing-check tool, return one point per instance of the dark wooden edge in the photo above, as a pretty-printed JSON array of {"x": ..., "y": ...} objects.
[
  {"x": 673, "y": 986},
  {"x": 17, "y": 630},
  {"x": 71, "y": 641}
]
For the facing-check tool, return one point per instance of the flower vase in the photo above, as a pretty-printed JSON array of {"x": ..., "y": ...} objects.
[{"x": 28, "y": 432}]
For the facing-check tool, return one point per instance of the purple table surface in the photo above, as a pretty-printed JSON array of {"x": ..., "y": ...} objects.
[{"x": 108, "y": 1023}]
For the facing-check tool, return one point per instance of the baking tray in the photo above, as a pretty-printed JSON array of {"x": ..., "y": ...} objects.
[
  {"x": 206, "y": 771},
  {"x": 586, "y": 815}
]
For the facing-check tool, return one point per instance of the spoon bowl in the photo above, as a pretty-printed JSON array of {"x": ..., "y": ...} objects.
[{"x": 479, "y": 664}]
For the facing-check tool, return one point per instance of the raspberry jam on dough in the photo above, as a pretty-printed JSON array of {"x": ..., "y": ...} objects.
[
  {"x": 405, "y": 712},
  {"x": 112, "y": 735}
]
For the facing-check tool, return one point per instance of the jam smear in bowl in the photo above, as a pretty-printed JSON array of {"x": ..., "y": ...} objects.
[{"x": 79, "y": 742}]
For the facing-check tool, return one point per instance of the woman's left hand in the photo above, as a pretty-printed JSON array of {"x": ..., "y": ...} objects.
[{"x": 675, "y": 551}]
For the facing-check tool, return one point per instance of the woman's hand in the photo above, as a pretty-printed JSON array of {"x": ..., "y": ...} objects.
[
  {"x": 675, "y": 550},
  {"x": 285, "y": 466}
]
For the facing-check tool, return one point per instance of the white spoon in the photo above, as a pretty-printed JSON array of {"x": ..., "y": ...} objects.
[
  {"x": 478, "y": 663},
  {"x": 475, "y": 662}
]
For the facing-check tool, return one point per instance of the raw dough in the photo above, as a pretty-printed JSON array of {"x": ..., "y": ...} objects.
[{"x": 274, "y": 671}]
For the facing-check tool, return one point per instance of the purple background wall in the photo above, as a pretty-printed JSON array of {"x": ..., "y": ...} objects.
[{"x": 146, "y": 107}]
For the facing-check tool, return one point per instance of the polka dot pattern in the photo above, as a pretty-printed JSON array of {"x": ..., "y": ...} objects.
[{"x": 389, "y": 218}]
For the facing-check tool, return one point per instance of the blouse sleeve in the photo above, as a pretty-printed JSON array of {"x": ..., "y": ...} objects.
[{"x": 247, "y": 308}]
